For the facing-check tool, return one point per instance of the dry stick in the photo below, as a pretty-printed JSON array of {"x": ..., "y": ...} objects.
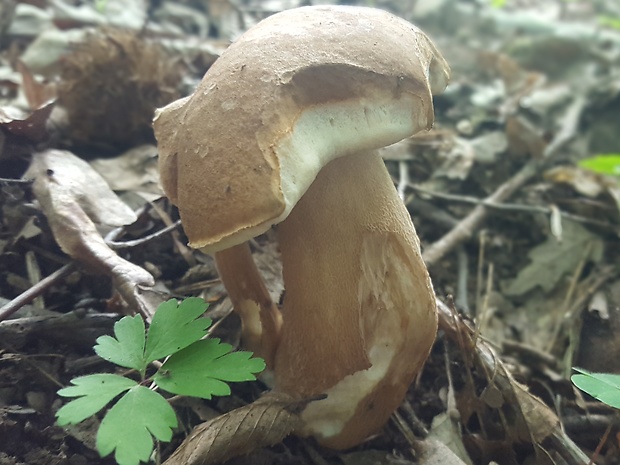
[
  {"x": 15, "y": 181},
  {"x": 462, "y": 279},
  {"x": 553, "y": 211},
  {"x": 481, "y": 258},
  {"x": 403, "y": 179},
  {"x": 561, "y": 313},
  {"x": 600, "y": 445},
  {"x": 34, "y": 276},
  {"x": 456, "y": 329},
  {"x": 483, "y": 316},
  {"x": 183, "y": 250},
  {"x": 35, "y": 291},
  {"x": 468, "y": 225},
  {"x": 119, "y": 245}
]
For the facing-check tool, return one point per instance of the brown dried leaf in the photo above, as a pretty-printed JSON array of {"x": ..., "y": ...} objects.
[
  {"x": 431, "y": 452},
  {"x": 37, "y": 94},
  {"x": 65, "y": 193},
  {"x": 133, "y": 171},
  {"x": 524, "y": 138},
  {"x": 262, "y": 423},
  {"x": 583, "y": 181},
  {"x": 541, "y": 421},
  {"x": 30, "y": 127},
  {"x": 82, "y": 184}
]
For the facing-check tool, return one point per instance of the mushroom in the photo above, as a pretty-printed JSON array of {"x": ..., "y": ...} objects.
[{"x": 283, "y": 131}]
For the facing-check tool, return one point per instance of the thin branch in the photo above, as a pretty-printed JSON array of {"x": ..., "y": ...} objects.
[
  {"x": 467, "y": 226},
  {"x": 35, "y": 291},
  {"x": 143, "y": 240},
  {"x": 471, "y": 223},
  {"x": 507, "y": 206}
]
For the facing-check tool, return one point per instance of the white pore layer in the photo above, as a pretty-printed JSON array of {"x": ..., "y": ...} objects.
[{"x": 328, "y": 131}]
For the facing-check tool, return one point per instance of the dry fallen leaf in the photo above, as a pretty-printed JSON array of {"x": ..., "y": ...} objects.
[
  {"x": 37, "y": 94},
  {"x": 29, "y": 128},
  {"x": 72, "y": 195},
  {"x": 82, "y": 184},
  {"x": 552, "y": 260},
  {"x": 133, "y": 171},
  {"x": 262, "y": 423},
  {"x": 431, "y": 452}
]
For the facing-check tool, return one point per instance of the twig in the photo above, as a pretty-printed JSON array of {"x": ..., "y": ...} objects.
[
  {"x": 560, "y": 314},
  {"x": 529, "y": 352},
  {"x": 15, "y": 181},
  {"x": 483, "y": 313},
  {"x": 509, "y": 206},
  {"x": 551, "y": 435},
  {"x": 35, "y": 365},
  {"x": 461, "y": 280},
  {"x": 35, "y": 291},
  {"x": 34, "y": 276},
  {"x": 183, "y": 250},
  {"x": 403, "y": 179},
  {"x": 468, "y": 225},
  {"x": 143, "y": 240},
  {"x": 479, "y": 272},
  {"x": 74, "y": 328}
]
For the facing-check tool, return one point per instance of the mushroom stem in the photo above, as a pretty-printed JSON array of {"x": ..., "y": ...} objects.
[
  {"x": 260, "y": 318},
  {"x": 359, "y": 313}
]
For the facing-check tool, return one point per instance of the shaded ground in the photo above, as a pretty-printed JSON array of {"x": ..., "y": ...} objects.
[{"x": 522, "y": 238}]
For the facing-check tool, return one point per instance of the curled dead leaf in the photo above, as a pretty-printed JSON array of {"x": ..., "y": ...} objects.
[
  {"x": 67, "y": 175},
  {"x": 262, "y": 423},
  {"x": 71, "y": 194},
  {"x": 29, "y": 128}
]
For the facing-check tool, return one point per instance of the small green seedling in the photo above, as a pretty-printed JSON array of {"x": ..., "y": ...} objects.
[
  {"x": 602, "y": 386},
  {"x": 603, "y": 164},
  {"x": 609, "y": 21},
  {"x": 193, "y": 366}
]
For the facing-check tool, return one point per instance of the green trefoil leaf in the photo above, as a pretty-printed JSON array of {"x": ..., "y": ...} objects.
[
  {"x": 175, "y": 326},
  {"x": 203, "y": 368},
  {"x": 129, "y": 426},
  {"x": 94, "y": 392},
  {"x": 127, "y": 349}
]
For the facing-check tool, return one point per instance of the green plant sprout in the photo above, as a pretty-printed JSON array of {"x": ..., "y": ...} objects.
[
  {"x": 101, "y": 5},
  {"x": 602, "y": 386},
  {"x": 603, "y": 164},
  {"x": 498, "y": 3},
  {"x": 193, "y": 366},
  {"x": 609, "y": 21}
]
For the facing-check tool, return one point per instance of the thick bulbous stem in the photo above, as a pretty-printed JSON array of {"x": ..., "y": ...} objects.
[{"x": 359, "y": 314}]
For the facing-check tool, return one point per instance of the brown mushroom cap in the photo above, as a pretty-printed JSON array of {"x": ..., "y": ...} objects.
[
  {"x": 282, "y": 129},
  {"x": 300, "y": 88}
]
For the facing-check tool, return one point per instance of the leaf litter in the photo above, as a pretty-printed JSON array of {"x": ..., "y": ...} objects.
[{"x": 500, "y": 180}]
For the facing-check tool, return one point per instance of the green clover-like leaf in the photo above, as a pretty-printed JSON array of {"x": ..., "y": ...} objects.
[
  {"x": 604, "y": 164},
  {"x": 202, "y": 369},
  {"x": 175, "y": 327},
  {"x": 127, "y": 349},
  {"x": 602, "y": 386},
  {"x": 129, "y": 426},
  {"x": 94, "y": 392}
]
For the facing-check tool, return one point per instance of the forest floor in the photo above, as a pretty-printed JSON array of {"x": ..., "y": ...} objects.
[{"x": 519, "y": 233}]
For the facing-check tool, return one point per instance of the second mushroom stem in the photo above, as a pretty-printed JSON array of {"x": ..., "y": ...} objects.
[{"x": 260, "y": 317}]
